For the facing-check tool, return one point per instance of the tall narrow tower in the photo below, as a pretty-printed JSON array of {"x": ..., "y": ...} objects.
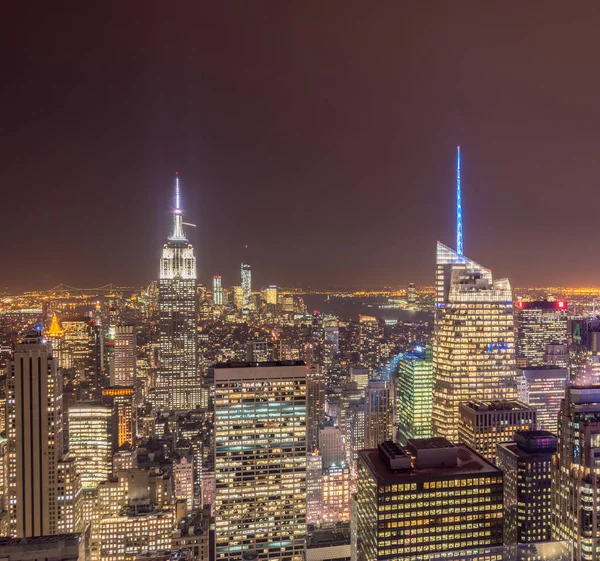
[
  {"x": 177, "y": 383},
  {"x": 474, "y": 341}
]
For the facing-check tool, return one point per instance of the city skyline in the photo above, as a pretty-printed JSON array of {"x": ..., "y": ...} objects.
[{"x": 286, "y": 140}]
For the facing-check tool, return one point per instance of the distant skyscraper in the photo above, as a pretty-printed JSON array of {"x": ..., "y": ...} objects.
[
  {"x": 34, "y": 439},
  {"x": 270, "y": 295},
  {"x": 539, "y": 324},
  {"x": 238, "y": 297},
  {"x": 246, "y": 284},
  {"x": 411, "y": 294},
  {"x": 378, "y": 413},
  {"x": 177, "y": 384},
  {"x": 526, "y": 465},
  {"x": 575, "y": 477},
  {"x": 414, "y": 385},
  {"x": 124, "y": 356},
  {"x": 543, "y": 387},
  {"x": 217, "y": 291},
  {"x": 260, "y": 503},
  {"x": 484, "y": 425},
  {"x": 122, "y": 401}
]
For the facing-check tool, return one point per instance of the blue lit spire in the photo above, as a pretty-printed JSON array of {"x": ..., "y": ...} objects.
[{"x": 459, "y": 222}]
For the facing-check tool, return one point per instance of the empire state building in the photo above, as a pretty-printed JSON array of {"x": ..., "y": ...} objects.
[{"x": 178, "y": 385}]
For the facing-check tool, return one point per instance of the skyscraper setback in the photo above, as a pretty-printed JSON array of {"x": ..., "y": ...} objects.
[
  {"x": 474, "y": 343},
  {"x": 177, "y": 383}
]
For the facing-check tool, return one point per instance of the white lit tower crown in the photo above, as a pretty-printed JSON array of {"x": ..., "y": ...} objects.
[{"x": 177, "y": 383}]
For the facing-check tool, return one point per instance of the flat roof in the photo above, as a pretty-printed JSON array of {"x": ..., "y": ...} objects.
[
  {"x": 469, "y": 464},
  {"x": 267, "y": 364},
  {"x": 497, "y": 405}
]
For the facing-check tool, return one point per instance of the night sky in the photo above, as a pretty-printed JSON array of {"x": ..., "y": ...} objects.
[{"x": 320, "y": 134}]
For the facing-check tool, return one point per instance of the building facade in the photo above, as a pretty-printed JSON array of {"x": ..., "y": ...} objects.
[
  {"x": 526, "y": 463},
  {"x": 413, "y": 396},
  {"x": 485, "y": 424},
  {"x": 429, "y": 498},
  {"x": 474, "y": 343},
  {"x": 177, "y": 382},
  {"x": 260, "y": 463}
]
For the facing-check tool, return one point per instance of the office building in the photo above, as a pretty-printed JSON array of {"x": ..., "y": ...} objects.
[
  {"x": 183, "y": 479},
  {"x": 526, "y": 463},
  {"x": 246, "y": 276},
  {"x": 331, "y": 446},
  {"x": 34, "y": 439},
  {"x": 360, "y": 376},
  {"x": 124, "y": 357},
  {"x": 259, "y": 351},
  {"x": 270, "y": 295},
  {"x": 217, "y": 291},
  {"x": 575, "y": 477},
  {"x": 265, "y": 406},
  {"x": 122, "y": 401},
  {"x": 315, "y": 405},
  {"x": 429, "y": 498},
  {"x": 90, "y": 442},
  {"x": 473, "y": 349},
  {"x": 485, "y": 424},
  {"x": 370, "y": 335},
  {"x": 543, "y": 387},
  {"x": 539, "y": 324},
  {"x": 177, "y": 383},
  {"x": 314, "y": 488},
  {"x": 238, "y": 297},
  {"x": 378, "y": 413},
  {"x": 474, "y": 341},
  {"x": 64, "y": 547},
  {"x": 414, "y": 387},
  {"x": 76, "y": 346},
  {"x": 336, "y": 490},
  {"x": 55, "y": 335}
]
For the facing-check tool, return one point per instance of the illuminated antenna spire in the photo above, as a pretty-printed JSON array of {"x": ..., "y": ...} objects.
[
  {"x": 459, "y": 223},
  {"x": 177, "y": 206},
  {"x": 177, "y": 233}
]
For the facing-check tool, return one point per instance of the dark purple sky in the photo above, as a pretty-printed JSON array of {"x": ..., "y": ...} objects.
[{"x": 322, "y": 134}]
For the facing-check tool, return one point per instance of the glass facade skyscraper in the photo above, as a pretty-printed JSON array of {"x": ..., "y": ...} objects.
[
  {"x": 414, "y": 384},
  {"x": 177, "y": 383},
  {"x": 474, "y": 342}
]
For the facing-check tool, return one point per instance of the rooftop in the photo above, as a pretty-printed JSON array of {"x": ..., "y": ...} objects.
[
  {"x": 504, "y": 405},
  {"x": 246, "y": 364},
  {"x": 469, "y": 463}
]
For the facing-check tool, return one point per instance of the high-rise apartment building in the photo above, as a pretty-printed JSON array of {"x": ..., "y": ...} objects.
[
  {"x": 429, "y": 498},
  {"x": 485, "y": 424},
  {"x": 34, "y": 439},
  {"x": 124, "y": 356},
  {"x": 576, "y": 472},
  {"x": 90, "y": 442},
  {"x": 414, "y": 387},
  {"x": 260, "y": 432},
  {"x": 246, "y": 275},
  {"x": 539, "y": 324},
  {"x": 178, "y": 386},
  {"x": 378, "y": 413},
  {"x": 217, "y": 291},
  {"x": 543, "y": 387},
  {"x": 526, "y": 464},
  {"x": 474, "y": 346}
]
